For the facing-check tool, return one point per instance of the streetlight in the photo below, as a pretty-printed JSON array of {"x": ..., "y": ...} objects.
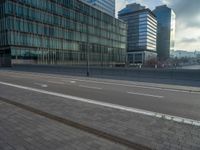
[{"x": 88, "y": 60}]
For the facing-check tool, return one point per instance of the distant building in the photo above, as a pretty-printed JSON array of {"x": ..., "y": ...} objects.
[
  {"x": 142, "y": 31},
  {"x": 184, "y": 54},
  {"x": 59, "y": 32},
  {"x": 166, "y": 31},
  {"x": 107, "y": 6}
]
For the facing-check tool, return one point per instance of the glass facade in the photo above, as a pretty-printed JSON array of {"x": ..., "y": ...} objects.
[
  {"x": 60, "y": 32},
  {"x": 107, "y": 6},
  {"x": 166, "y": 31},
  {"x": 142, "y": 32}
]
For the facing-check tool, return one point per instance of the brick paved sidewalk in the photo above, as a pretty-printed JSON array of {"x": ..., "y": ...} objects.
[{"x": 23, "y": 130}]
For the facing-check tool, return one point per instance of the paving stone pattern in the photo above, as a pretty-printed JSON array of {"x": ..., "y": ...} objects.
[{"x": 23, "y": 130}]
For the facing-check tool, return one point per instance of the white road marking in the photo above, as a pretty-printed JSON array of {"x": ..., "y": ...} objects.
[
  {"x": 90, "y": 87},
  {"x": 108, "y": 83},
  {"x": 14, "y": 76},
  {"x": 137, "y": 86},
  {"x": 56, "y": 82},
  {"x": 42, "y": 85},
  {"x": 147, "y": 95},
  {"x": 73, "y": 82},
  {"x": 110, "y": 105}
]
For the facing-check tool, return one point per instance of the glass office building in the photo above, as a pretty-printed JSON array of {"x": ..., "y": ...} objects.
[
  {"x": 142, "y": 30},
  {"x": 166, "y": 31},
  {"x": 107, "y": 6},
  {"x": 59, "y": 32}
]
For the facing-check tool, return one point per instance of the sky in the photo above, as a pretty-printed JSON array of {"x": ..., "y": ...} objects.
[{"x": 187, "y": 20}]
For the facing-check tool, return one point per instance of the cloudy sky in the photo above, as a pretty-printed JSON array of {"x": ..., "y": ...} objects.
[{"x": 187, "y": 21}]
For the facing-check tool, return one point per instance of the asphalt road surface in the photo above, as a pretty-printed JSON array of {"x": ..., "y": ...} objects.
[{"x": 171, "y": 100}]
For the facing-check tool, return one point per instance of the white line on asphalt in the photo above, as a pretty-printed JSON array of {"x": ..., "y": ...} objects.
[
  {"x": 73, "y": 82},
  {"x": 143, "y": 94},
  {"x": 108, "y": 83},
  {"x": 14, "y": 76},
  {"x": 90, "y": 87},
  {"x": 56, "y": 82},
  {"x": 110, "y": 105},
  {"x": 42, "y": 85},
  {"x": 137, "y": 86},
  {"x": 125, "y": 85}
]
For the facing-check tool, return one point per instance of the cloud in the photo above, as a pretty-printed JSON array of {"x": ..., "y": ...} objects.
[
  {"x": 187, "y": 19},
  {"x": 187, "y": 11},
  {"x": 188, "y": 23},
  {"x": 190, "y": 40}
]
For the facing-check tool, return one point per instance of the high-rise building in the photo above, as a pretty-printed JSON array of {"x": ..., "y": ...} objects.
[
  {"x": 166, "y": 31},
  {"x": 142, "y": 30},
  {"x": 59, "y": 32},
  {"x": 107, "y": 6}
]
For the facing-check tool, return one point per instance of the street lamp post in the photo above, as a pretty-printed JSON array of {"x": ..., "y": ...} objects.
[{"x": 88, "y": 62}]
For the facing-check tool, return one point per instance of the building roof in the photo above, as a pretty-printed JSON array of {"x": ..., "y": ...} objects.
[{"x": 134, "y": 8}]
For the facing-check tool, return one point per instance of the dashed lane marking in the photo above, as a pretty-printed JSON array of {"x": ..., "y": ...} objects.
[
  {"x": 90, "y": 87},
  {"x": 110, "y": 105},
  {"x": 144, "y": 94}
]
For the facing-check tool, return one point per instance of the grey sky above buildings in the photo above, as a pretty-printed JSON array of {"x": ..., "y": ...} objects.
[{"x": 188, "y": 19}]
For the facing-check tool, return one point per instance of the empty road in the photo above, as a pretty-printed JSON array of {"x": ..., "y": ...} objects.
[{"x": 165, "y": 99}]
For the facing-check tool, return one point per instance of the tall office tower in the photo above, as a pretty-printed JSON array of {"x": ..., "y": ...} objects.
[
  {"x": 59, "y": 32},
  {"x": 142, "y": 30},
  {"x": 166, "y": 19},
  {"x": 107, "y": 6}
]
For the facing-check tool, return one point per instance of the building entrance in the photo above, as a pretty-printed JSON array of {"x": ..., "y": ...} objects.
[{"x": 5, "y": 58}]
